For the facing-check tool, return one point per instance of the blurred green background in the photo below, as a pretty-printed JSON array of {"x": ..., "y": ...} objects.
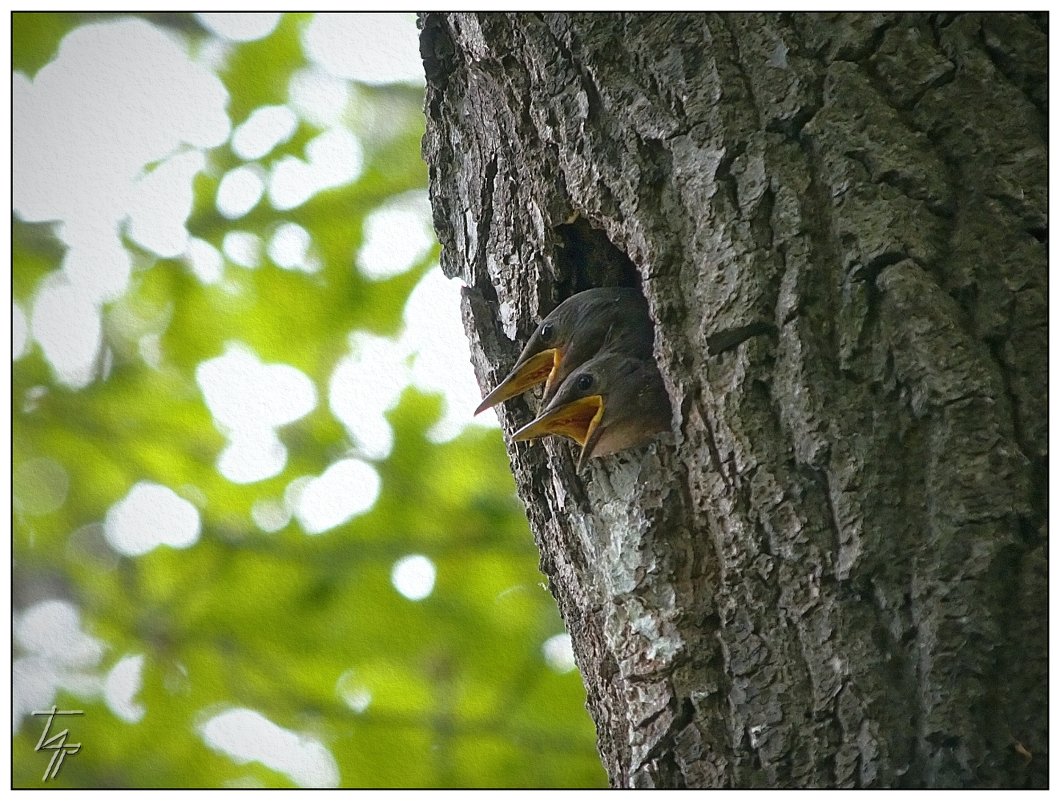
[{"x": 257, "y": 538}]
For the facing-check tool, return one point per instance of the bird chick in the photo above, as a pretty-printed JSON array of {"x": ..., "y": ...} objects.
[
  {"x": 612, "y": 402},
  {"x": 573, "y": 333}
]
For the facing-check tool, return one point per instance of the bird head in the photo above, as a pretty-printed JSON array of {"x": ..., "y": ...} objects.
[{"x": 613, "y": 401}]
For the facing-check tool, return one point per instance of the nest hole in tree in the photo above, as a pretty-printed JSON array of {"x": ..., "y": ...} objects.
[{"x": 586, "y": 258}]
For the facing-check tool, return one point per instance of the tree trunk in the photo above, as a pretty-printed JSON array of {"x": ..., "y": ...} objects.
[{"x": 834, "y": 572}]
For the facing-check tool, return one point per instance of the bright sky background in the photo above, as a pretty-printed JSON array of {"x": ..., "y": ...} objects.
[{"x": 84, "y": 130}]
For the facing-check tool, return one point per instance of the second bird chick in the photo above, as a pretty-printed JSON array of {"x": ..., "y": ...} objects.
[{"x": 612, "y": 402}]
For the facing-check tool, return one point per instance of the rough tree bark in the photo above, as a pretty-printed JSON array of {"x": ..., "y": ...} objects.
[{"x": 834, "y": 573}]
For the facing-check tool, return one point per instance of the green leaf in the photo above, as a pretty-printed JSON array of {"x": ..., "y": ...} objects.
[{"x": 35, "y": 37}]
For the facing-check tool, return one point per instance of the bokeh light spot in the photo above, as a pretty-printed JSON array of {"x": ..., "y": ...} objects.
[
  {"x": 242, "y": 248},
  {"x": 252, "y": 454},
  {"x": 121, "y": 686},
  {"x": 319, "y": 98},
  {"x": 353, "y": 693},
  {"x": 68, "y": 328},
  {"x": 151, "y": 516},
  {"x": 290, "y": 183},
  {"x": 413, "y": 576},
  {"x": 363, "y": 386},
  {"x": 347, "y": 488},
  {"x": 58, "y": 654},
  {"x": 205, "y": 261},
  {"x": 335, "y": 158},
  {"x": 239, "y": 191},
  {"x": 52, "y": 629},
  {"x": 249, "y": 400},
  {"x": 264, "y": 129},
  {"x": 270, "y": 515},
  {"x": 96, "y": 263},
  {"x": 397, "y": 235},
  {"x": 248, "y": 736},
  {"x": 161, "y": 202},
  {"x": 289, "y": 247},
  {"x": 442, "y": 360},
  {"x": 380, "y": 55},
  {"x": 244, "y": 392},
  {"x": 240, "y": 27},
  {"x": 559, "y": 653}
]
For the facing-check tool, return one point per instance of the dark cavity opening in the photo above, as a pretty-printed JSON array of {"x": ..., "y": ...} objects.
[{"x": 586, "y": 258}]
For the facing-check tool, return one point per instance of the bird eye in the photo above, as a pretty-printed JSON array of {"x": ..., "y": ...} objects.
[
  {"x": 584, "y": 382},
  {"x": 546, "y": 332}
]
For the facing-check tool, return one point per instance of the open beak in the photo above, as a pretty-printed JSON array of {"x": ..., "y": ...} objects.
[
  {"x": 551, "y": 384},
  {"x": 578, "y": 420},
  {"x": 592, "y": 436},
  {"x": 539, "y": 367}
]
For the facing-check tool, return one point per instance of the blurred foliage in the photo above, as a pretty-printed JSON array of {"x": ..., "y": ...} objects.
[{"x": 283, "y": 623}]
